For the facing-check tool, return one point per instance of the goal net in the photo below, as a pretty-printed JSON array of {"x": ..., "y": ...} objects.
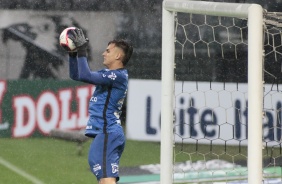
[{"x": 221, "y": 93}]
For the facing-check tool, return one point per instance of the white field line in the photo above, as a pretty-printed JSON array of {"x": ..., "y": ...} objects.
[{"x": 20, "y": 172}]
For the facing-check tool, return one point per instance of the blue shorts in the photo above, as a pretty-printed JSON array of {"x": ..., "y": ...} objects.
[{"x": 104, "y": 154}]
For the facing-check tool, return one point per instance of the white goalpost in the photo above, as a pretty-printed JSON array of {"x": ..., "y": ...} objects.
[{"x": 254, "y": 15}]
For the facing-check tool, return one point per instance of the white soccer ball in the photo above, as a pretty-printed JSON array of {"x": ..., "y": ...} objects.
[{"x": 65, "y": 41}]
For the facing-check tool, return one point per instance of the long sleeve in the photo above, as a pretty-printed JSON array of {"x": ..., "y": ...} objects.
[
  {"x": 88, "y": 76},
  {"x": 80, "y": 71},
  {"x": 73, "y": 69}
]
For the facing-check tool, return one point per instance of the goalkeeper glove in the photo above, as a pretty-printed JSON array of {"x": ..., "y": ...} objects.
[
  {"x": 80, "y": 42},
  {"x": 73, "y": 54}
]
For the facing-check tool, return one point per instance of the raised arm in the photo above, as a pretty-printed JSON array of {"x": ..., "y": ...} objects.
[
  {"x": 78, "y": 65},
  {"x": 73, "y": 69},
  {"x": 86, "y": 75}
]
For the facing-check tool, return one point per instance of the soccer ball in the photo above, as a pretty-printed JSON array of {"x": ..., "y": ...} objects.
[{"x": 65, "y": 41}]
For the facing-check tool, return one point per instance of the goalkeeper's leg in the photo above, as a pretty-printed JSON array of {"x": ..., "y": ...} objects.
[{"x": 104, "y": 156}]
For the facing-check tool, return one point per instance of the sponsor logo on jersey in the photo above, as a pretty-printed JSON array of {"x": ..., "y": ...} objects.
[
  {"x": 117, "y": 114},
  {"x": 112, "y": 76},
  {"x": 93, "y": 99},
  {"x": 88, "y": 127},
  {"x": 118, "y": 122}
]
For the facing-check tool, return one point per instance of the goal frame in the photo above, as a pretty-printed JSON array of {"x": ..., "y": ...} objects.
[{"x": 254, "y": 15}]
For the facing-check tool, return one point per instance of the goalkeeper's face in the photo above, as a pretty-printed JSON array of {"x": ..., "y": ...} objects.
[{"x": 113, "y": 57}]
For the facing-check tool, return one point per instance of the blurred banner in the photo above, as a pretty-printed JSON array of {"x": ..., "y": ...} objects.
[
  {"x": 33, "y": 108},
  {"x": 204, "y": 112}
]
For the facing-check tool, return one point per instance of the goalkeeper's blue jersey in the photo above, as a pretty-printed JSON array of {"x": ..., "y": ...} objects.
[{"x": 107, "y": 100}]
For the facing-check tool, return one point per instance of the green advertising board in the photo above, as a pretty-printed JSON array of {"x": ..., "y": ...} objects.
[{"x": 32, "y": 108}]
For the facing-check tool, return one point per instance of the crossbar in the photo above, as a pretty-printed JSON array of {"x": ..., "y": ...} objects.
[{"x": 208, "y": 8}]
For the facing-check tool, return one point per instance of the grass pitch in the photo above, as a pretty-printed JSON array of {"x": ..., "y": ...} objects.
[{"x": 53, "y": 161}]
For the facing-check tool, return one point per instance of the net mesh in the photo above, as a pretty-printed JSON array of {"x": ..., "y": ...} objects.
[{"x": 211, "y": 126}]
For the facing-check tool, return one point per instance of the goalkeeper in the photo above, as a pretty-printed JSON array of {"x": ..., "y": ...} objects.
[{"x": 104, "y": 124}]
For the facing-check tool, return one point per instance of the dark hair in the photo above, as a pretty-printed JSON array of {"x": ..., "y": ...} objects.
[{"x": 126, "y": 47}]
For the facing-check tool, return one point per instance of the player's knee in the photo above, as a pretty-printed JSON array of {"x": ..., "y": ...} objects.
[{"x": 107, "y": 181}]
